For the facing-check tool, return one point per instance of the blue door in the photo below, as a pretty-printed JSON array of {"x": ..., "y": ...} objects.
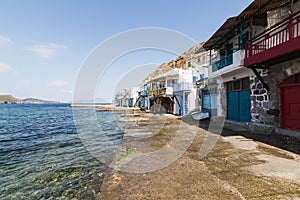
[
  {"x": 233, "y": 106},
  {"x": 209, "y": 101},
  {"x": 244, "y": 104},
  {"x": 239, "y": 106}
]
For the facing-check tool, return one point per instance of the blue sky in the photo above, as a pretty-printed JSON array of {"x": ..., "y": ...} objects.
[{"x": 44, "y": 42}]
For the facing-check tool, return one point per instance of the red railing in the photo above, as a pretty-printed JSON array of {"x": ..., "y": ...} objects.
[{"x": 283, "y": 32}]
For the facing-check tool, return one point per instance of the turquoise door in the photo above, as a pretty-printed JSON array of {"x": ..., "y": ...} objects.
[
  {"x": 244, "y": 106},
  {"x": 239, "y": 106},
  {"x": 233, "y": 106}
]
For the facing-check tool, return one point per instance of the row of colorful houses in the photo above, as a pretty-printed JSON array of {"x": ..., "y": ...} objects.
[
  {"x": 127, "y": 97},
  {"x": 247, "y": 71},
  {"x": 176, "y": 91}
]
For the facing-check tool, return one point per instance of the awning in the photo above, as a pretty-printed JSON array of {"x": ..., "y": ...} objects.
[
  {"x": 227, "y": 30},
  {"x": 220, "y": 36}
]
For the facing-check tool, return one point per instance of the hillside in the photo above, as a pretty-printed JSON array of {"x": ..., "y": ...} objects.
[
  {"x": 193, "y": 50},
  {"x": 38, "y": 101},
  {"x": 165, "y": 67},
  {"x": 8, "y": 99}
]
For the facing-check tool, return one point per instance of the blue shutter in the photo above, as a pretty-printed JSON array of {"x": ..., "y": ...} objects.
[{"x": 194, "y": 79}]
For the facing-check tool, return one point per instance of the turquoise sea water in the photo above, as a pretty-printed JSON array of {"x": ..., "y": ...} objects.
[{"x": 42, "y": 156}]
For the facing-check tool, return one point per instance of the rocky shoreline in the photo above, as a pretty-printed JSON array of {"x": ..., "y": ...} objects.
[{"x": 236, "y": 168}]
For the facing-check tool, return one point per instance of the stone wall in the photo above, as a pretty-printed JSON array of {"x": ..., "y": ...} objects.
[
  {"x": 259, "y": 98},
  {"x": 265, "y": 106}
]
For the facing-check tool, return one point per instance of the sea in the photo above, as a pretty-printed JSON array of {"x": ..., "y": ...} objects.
[{"x": 42, "y": 155}]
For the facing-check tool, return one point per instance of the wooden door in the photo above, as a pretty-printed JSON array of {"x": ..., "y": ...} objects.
[{"x": 290, "y": 107}]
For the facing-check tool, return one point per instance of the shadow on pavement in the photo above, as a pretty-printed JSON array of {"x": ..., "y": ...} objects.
[{"x": 289, "y": 143}]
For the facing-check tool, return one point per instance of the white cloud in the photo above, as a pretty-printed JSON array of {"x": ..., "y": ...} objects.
[
  {"x": 58, "y": 83},
  {"x": 5, "y": 68},
  {"x": 47, "y": 50},
  {"x": 5, "y": 41}
]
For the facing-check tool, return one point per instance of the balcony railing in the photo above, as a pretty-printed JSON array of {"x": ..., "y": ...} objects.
[
  {"x": 281, "y": 39},
  {"x": 223, "y": 62},
  {"x": 162, "y": 91},
  {"x": 144, "y": 93},
  {"x": 182, "y": 87}
]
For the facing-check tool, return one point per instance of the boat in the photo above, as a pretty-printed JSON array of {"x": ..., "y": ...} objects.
[{"x": 199, "y": 115}]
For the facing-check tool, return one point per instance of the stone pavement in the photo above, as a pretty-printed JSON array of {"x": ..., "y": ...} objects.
[{"x": 236, "y": 168}]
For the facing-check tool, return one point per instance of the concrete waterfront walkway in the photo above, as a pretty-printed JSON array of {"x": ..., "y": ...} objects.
[{"x": 236, "y": 168}]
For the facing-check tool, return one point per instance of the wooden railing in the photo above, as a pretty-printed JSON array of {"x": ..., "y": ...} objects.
[
  {"x": 223, "y": 62},
  {"x": 161, "y": 91},
  {"x": 282, "y": 32}
]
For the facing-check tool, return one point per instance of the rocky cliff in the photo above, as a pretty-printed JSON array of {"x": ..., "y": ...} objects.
[{"x": 179, "y": 62}]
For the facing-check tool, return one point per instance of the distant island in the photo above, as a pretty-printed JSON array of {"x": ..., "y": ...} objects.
[
  {"x": 38, "y": 101},
  {"x": 9, "y": 99}
]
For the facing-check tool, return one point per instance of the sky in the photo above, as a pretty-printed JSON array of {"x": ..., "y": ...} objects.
[{"x": 44, "y": 43}]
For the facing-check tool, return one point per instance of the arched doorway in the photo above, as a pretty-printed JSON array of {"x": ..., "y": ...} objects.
[{"x": 290, "y": 103}]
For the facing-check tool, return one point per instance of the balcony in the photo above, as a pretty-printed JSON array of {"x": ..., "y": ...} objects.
[
  {"x": 182, "y": 87},
  {"x": 162, "y": 91},
  {"x": 225, "y": 61},
  {"x": 277, "y": 43},
  {"x": 227, "y": 64},
  {"x": 144, "y": 93}
]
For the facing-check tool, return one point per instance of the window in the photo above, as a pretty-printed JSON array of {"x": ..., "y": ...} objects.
[
  {"x": 236, "y": 85},
  {"x": 229, "y": 86},
  {"x": 245, "y": 84}
]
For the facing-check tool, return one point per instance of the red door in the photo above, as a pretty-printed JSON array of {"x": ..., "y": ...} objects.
[{"x": 290, "y": 106}]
